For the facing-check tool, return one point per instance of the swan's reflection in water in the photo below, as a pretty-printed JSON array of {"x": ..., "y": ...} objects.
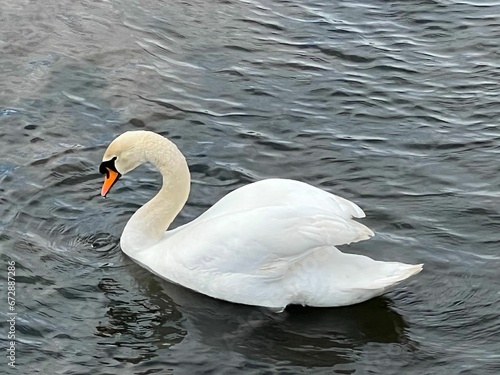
[{"x": 167, "y": 321}]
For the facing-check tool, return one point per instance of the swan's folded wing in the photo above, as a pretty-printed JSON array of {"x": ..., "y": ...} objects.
[{"x": 262, "y": 241}]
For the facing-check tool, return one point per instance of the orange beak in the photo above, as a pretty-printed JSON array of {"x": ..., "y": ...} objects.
[{"x": 109, "y": 180}]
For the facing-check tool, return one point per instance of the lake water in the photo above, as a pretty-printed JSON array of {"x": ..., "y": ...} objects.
[{"x": 392, "y": 104}]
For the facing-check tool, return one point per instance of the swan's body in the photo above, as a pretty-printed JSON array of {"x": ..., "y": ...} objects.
[{"x": 270, "y": 243}]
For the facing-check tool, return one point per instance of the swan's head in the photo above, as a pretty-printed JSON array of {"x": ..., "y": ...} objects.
[{"x": 124, "y": 154}]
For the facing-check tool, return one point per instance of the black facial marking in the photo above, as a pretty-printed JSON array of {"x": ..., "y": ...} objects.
[{"x": 108, "y": 164}]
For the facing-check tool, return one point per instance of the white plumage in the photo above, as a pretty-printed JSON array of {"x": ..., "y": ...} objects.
[{"x": 270, "y": 243}]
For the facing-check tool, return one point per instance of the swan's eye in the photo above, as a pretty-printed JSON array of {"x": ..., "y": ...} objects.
[{"x": 108, "y": 164}]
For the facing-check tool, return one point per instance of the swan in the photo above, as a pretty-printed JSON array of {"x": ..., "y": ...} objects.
[{"x": 271, "y": 243}]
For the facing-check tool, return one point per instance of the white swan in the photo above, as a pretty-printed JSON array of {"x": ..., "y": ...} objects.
[{"x": 270, "y": 243}]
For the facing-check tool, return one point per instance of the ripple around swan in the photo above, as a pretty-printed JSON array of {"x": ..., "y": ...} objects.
[{"x": 390, "y": 104}]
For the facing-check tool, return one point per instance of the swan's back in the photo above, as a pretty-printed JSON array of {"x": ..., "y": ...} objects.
[{"x": 283, "y": 192}]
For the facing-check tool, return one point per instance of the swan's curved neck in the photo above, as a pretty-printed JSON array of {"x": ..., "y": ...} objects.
[{"x": 148, "y": 225}]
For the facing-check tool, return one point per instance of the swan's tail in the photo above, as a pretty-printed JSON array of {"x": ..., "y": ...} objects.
[{"x": 399, "y": 272}]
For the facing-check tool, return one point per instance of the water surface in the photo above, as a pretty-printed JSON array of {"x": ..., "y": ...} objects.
[{"x": 393, "y": 105}]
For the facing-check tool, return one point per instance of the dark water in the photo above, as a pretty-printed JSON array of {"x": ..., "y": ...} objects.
[{"x": 394, "y": 105}]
